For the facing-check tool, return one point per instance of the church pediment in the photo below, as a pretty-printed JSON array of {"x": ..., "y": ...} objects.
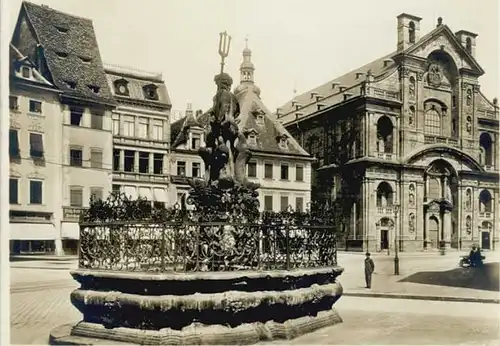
[{"x": 443, "y": 39}]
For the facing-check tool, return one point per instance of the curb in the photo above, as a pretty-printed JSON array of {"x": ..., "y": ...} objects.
[{"x": 422, "y": 297}]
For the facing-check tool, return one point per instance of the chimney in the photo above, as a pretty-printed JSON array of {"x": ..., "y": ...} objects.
[
  {"x": 198, "y": 113},
  {"x": 467, "y": 40},
  {"x": 408, "y": 31},
  {"x": 278, "y": 112}
]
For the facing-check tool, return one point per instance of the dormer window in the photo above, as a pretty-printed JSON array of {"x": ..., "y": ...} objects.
[
  {"x": 61, "y": 29},
  {"x": 259, "y": 117},
  {"x": 71, "y": 84},
  {"x": 342, "y": 88},
  {"x": 313, "y": 94},
  {"x": 359, "y": 75},
  {"x": 296, "y": 104},
  {"x": 251, "y": 137},
  {"x": 95, "y": 89},
  {"x": 121, "y": 87},
  {"x": 347, "y": 96},
  {"x": 334, "y": 85},
  {"x": 283, "y": 141},
  {"x": 320, "y": 106},
  {"x": 85, "y": 60},
  {"x": 62, "y": 55},
  {"x": 319, "y": 98},
  {"x": 26, "y": 72},
  {"x": 150, "y": 92}
]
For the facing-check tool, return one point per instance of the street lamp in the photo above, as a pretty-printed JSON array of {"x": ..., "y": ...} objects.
[{"x": 396, "y": 258}]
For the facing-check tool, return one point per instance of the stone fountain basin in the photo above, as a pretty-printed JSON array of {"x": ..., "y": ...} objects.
[{"x": 238, "y": 307}]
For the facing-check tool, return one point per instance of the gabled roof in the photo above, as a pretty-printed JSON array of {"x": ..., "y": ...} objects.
[
  {"x": 71, "y": 52},
  {"x": 17, "y": 59},
  {"x": 446, "y": 31},
  {"x": 267, "y": 131},
  {"x": 179, "y": 129}
]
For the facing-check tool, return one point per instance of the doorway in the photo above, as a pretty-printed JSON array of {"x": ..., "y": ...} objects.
[
  {"x": 384, "y": 239},
  {"x": 485, "y": 240},
  {"x": 433, "y": 231}
]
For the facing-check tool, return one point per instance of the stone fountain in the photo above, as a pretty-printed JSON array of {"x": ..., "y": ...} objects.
[{"x": 219, "y": 274}]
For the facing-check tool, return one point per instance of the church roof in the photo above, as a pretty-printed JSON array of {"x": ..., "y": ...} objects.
[
  {"x": 71, "y": 52},
  {"x": 351, "y": 81}
]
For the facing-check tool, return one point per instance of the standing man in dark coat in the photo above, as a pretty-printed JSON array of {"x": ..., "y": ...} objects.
[{"x": 369, "y": 268}]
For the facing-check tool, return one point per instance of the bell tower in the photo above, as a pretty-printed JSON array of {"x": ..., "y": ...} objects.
[{"x": 247, "y": 69}]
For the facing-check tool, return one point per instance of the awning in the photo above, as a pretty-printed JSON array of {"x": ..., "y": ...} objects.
[
  {"x": 145, "y": 192},
  {"x": 32, "y": 231},
  {"x": 70, "y": 230},
  {"x": 160, "y": 195},
  {"x": 130, "y": 191}
]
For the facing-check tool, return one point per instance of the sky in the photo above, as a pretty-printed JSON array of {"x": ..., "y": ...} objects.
[{"x": 296, "y": 45}]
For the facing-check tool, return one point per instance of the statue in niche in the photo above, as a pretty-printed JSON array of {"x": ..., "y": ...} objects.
[
  {"x": 468, "y": 225},
  {"x": 411, "y": 115},
  {"x": 469, "y": 97},
  {"x": 411, "y": 223},
  {"x": 468, "y": 199},
  {"x": 469, "y": 125},
  {"x": 411, "y": 88}
]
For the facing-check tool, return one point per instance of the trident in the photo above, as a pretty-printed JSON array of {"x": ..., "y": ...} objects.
[{"x": 224, "y": 44}]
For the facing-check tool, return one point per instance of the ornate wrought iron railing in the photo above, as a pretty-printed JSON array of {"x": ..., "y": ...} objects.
[{"x": 152, "y": 246}]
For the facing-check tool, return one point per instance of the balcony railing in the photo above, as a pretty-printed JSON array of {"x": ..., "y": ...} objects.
[
  {"x": 440, "y": 139},
  {"x": 385, "y": 211},
  {"x": 385, "y": 156},
  {"x": 485, "y": 215},
  {"x": 489, "y": 168},
  {"x": 142, "y": 177},
  {"x": 384, "y": 94}
]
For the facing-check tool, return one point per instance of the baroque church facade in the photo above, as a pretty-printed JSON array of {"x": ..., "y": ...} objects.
[{"x": 406, "y": 145}]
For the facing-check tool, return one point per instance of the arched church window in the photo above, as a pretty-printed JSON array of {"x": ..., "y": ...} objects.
[
  {"x": 433, "y": 122},
  {"x": 485, "y": 202},
  {"x": 384, "y": 194},
  {"x": 411, "y": 32},
  {"x": 485, "y": 146},
  {"x": 384, "y": 135}
]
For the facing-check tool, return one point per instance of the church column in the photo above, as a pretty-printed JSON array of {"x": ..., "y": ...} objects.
[
  {"x": 151, "y": 163},
  {"x": 121, "y": 163}
]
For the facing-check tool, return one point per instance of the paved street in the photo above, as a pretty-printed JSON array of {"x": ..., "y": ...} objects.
[{"x": 40, "y": 301}]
